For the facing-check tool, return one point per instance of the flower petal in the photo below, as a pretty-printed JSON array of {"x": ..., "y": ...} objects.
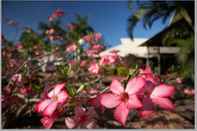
[
  {"x": 110, "y": 100},
  {"x": 56, "y": 90},
  {"x": 50, "y": 109},
  {"x": 121, "y": 113},
  {"x": 164, "y": 103},
  {"x": 40, "y": 107},
  {"x": 47, "y": 122},
  {"x": 62, "y": 97},
  {"x": 90, "y": 124},
  {"x": 135, "y": 85},
  {"x": 134, "y": 102},
  {"x": 70, "y": 123},
  {"x": 116, "y": 87},
  {"x": 163, "y": 91}
]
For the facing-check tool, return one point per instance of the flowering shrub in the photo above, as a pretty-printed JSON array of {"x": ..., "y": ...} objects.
[{"x": 68, "y": 82}]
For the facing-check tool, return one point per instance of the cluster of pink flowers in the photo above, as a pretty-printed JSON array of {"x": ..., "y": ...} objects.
[
  {"x": 109, "y": 58},
  {"x": 92, "y": 37},
  {"x": 140, "y": 94},
  {"x": 94, "y": 68}
]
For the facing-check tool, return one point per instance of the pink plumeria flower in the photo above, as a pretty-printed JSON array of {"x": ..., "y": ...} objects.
[
  {"x": 17, "y": 78},
  {"x": 47, "y": 121},
  {"x": 71, "y": 48},
  {"x": 57, "y": 96},
  {"x": 94, "y": 68},
  {"x": 123, "y": 99},
  {"x": 83, "y": 118}
]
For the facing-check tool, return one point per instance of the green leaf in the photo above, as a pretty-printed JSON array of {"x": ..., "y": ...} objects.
[{"x": 71, "y": 90}]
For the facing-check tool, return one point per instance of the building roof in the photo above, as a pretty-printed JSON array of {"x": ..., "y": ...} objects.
[
  {"x": 134, "y": 47},
  {"x": 157, "y": 40}
]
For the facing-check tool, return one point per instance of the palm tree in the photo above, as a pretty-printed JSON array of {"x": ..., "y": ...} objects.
[{"x": 151, "y": 11}]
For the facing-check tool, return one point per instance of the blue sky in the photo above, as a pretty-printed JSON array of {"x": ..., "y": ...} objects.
[{"x": 109, "y": 18}]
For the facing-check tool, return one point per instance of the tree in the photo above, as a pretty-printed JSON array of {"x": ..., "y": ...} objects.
[{"x": 151, "y": 11}]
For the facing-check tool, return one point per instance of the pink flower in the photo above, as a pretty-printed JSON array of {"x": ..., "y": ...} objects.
[
  {"x": 47, "y": 121},
  {"x": 56, "y": 97},
  {"x": 83, "y": 63},
  {"x": 108, "y": 59},
  {"x": 158, "y": 95},
  {"x": 72, "y": 62},
  {"x": 58, "y": 13},
  {"x": 50, "y": 18},
  {"x": 123, "y": 99},
  {"x": 91, "y": 52},
  {"x": 189, "y": 92},
  {"x": 25, "y": 90},
  {"x": 92, "y": 37},
  {"x": 179, "y": 80},
  {"x": 71, "y": 48},
  {"x": 19, "y": 46},
  {"x": 97, "y": 36},
  {"x": 82, "y": 119},
  {"x": 94, "y": 68},
  {"x": 148, "y": 75},
  {"x": 17, "y": 78},
  {"x": 12, "y": 62},
  {"x": 97, "y": 47}
]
